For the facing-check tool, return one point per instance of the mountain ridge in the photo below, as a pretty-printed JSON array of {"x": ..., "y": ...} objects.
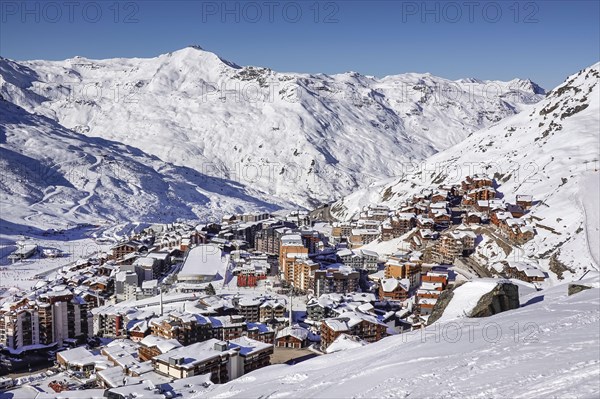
[
  {"x": 318, "y": 136},
  {"x": 549, "y": 150}
]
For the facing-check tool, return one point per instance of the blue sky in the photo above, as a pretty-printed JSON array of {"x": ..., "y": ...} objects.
[{"x": 541, "y": 40}]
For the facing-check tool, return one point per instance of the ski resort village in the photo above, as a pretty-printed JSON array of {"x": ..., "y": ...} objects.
[
  {"x": 175, "y": 225},
  {"x": 176, "y": 307}
]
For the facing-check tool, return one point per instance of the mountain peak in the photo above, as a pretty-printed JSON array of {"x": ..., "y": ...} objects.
[{"x": 196, "y": 51}]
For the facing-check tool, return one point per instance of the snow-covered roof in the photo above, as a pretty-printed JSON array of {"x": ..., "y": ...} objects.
[
  {"x": 295, "y": 331},
  {"x": 149, "y": 284},
  {"x": 163, "y": 345},
  {"x": 391, "y": 284},
  {"x": 203, "y": 260},
  {"x": 291, "y": 240},
  {"x": 80, "y": 357},
  {"x": 344, "y": 252}
]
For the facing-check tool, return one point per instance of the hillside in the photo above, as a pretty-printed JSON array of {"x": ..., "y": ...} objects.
[
  {"x": 550, "y": 151},
  {"x": 305, "y": 138},
  {"x": 547, "y": 348},
  {"x": 53, "y": 176}
]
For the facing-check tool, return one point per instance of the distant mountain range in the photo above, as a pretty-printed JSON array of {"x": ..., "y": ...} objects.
[{"x": 269, "y": 139}]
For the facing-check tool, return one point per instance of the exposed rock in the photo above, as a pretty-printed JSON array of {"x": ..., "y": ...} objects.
[
  {"x": 557, "y": 266},
  {"x": 505, "y": 296},
  {"x": 577, "y": 288},
  {"x": 502, "y": 298},
  {"x": 442, "y": 302}
]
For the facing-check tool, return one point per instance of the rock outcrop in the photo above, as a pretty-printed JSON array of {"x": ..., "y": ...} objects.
[
  {"x": 504, "y": 296},
  {"x": 577, "y": 288}
]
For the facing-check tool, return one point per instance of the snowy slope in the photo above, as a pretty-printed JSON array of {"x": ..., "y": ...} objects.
[
  {"x": 546, "y": 349},
  {"x": 54, "y": 175},
  {"x": 305, "y": 138},
  {"x": 550, "y": 150}
]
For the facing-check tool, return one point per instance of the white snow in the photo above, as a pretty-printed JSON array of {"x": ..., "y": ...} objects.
[
  {"x": 549, "y": 151},
  {"x": 548, "y": 348},
  {"x": 303, "y": 139},
  {"x": 465, "y": 298}
]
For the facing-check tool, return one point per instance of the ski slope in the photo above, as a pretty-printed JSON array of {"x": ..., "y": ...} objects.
[{"x": 546, "y": 349}]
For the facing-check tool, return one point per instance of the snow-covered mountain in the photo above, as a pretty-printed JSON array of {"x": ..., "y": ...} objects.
[
  {"x": 550, "y": 150},
  {"x": 305, "y": 138},
  {"x": 53, "y": 175},
  {"x": 548, "y": 348}
]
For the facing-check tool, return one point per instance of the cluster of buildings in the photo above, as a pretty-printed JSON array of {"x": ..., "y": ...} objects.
[
  {"x": 50, "y": 316},
  {"x": 58, "y": 309},
  {"x": 210, "y": 316},
  {"x": 152, "y": 300},
  {"x": 441, "y": 222}
]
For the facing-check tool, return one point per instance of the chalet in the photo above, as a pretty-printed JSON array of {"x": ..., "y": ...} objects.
[
  {"x": 441, "y": 217},
  {"x": 421, "y": 208},
  {"x": 454, "y": 244},
  {"x": 361, "y": 237},
  {"x": 398, "y": 225},
  {"x": 427, "y": 235},
  {"x": 500, "y": 218},
  {"x": 120, "y": 250},
  {"x": 138, "y": 330},
  {"x": 425, "y": 222},
  {"x": 477, "y": 194},
  {"x": 515, "y": 210},
  {"x": 519, "y": 232},
  {"x": 524, "y": 201},
  {"x": 489, "y": 205},
  {"x": 474, "y": 218},
  {"x": 418, "y": 198},
  {"x": 272, "y": 309},
  {"x": 152, "y": 346},
  {"x": 292, "y": 337},
  {"x": 439, "y": 196},
  {"x": 476, "y": 181},
  {"x": 260, "y": 332},
  {"x": 356, "y": 323},
  {"x": 394, "y": 289},
  {"x": 525, "y": 271},
  {"x": 225, "y": 361}
]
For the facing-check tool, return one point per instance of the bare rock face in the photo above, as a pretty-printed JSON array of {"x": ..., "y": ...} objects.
[
  {"x": 505, "y": 296},
  {"x": 502, "y": 298},
  {"x": 577, "y": 288},
  {"x": 440, "y": 305}
]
